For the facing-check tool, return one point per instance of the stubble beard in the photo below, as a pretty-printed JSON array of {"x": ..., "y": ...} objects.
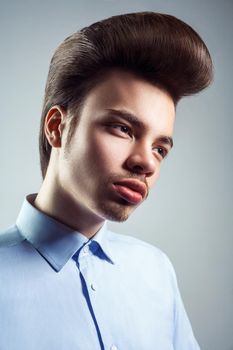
[
  {"x": 116, "y": 211},
  {"x": 114, "y": 208}
]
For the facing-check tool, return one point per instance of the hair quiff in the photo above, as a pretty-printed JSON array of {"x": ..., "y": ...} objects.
[{"x": 158, "y": 47}]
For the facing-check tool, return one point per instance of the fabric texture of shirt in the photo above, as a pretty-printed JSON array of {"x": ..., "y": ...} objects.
[{"x": 62, "y": 291}]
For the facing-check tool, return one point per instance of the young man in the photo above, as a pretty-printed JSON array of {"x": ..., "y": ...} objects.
[{"x": 67, "y": 282}]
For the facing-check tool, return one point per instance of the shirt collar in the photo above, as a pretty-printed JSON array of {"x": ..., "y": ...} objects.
[
  {"x": 100, "y": 240},
  {"x": 56, "y": 242}
]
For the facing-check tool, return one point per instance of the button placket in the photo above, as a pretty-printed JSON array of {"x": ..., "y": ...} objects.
[
  {"x": 82, "y": 262},
  {"x": 85, "y": 268}
]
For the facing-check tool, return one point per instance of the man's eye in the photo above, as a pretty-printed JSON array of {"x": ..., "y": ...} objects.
[
  {"x": 161, "y": 151},
  {"x": 122, "y": 128}
]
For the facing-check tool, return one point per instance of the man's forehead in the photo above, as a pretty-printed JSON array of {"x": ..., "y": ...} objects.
[{"x": 127, "y": 88}]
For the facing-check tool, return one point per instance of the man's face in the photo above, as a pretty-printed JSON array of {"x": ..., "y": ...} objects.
[{"x": 115, "y": 153}]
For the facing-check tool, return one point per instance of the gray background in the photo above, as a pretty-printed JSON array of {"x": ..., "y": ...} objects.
[{"x": 189, "y": 213}]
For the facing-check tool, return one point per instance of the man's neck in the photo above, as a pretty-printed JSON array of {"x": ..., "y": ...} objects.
[{"x": 58, "y": 205}]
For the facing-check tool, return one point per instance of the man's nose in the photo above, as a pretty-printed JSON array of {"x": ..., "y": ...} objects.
[{"x": 142, "y": 160}]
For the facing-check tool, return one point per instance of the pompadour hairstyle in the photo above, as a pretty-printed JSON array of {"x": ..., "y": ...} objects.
[{"x": 157, "y": 47}]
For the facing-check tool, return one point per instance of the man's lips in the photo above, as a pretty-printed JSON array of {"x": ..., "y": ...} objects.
[{"x": 132, "y": 190}]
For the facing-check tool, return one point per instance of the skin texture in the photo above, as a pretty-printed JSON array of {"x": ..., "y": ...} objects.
[{"x": 123, "y": 132}]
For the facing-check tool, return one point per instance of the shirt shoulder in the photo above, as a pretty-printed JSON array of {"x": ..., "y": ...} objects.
[
  {"x": 15, "y": 253},
  {"x": 10, "y": 237},
  {"x": 128, "y": 241},
  {"x": 139, "y": 251}
]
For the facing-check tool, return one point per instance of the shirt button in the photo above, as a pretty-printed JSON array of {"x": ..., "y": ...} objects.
[
  {"x": 113, "y": 347},
  {"x": 93, "y": 287},
  {"x": 85, "y": 249}
]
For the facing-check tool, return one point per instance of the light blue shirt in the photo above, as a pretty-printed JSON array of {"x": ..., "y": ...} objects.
[{"x": 61, "y": 291}]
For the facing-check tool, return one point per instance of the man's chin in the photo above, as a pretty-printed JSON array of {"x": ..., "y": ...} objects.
[
  {"x": 117, "y": 212},
  {"x": 117, "y": 218}
]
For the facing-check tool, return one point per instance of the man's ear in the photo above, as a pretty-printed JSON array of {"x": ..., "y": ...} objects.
[{"x": 53, "y": 125}]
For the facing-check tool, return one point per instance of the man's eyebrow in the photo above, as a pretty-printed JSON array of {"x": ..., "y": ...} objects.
[
  {"x": 129, "y": 117},
  {"x": 167, "y": 140},
  {"x": 133, "y": 119}
]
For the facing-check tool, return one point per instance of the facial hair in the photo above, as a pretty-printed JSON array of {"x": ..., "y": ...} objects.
[{"x": 117, "y": 209}]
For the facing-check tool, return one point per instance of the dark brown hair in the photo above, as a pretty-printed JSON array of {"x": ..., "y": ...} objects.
[{"x": 157, "y": 47}]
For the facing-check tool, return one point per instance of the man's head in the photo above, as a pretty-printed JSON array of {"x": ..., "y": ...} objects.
[
  {"x": 105, "y": 170},
  {"x": 157, "y": 48}
]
